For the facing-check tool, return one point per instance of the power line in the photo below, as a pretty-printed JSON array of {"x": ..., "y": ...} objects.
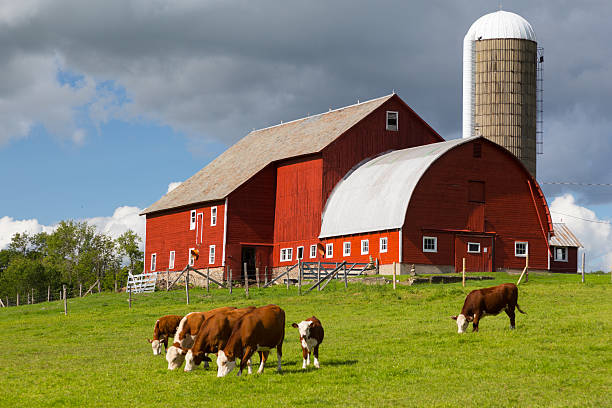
[
  {"x": 572, "y": 183},
  {"x": 584, "y": 219}
]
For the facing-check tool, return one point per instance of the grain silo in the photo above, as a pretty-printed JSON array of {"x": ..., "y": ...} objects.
[{"x": 500, "y": 84}]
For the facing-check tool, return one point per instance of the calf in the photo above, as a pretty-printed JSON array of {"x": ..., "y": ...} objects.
[
  {"x": 260, "y": 330},
  {"x": 488, "y": 301},
  {"x": 311, "y": 336},
  {"x": 186, "y": 333},
  {"x": 212, "y": 336},
  {"x": 165, "y": 327}
]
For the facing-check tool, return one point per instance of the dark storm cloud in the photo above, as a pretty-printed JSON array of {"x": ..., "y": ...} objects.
[{"x": 216, "y": 69}]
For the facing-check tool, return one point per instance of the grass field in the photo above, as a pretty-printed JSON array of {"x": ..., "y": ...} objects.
[{"x": 382, "y": 348}]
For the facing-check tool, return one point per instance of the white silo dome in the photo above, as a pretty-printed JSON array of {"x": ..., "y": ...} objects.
[{"x": 500, "y": 24}]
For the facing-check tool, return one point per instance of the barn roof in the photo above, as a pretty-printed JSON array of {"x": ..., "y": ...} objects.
[
  {"x": 376, "y": 194},
  {"x": 563, "y": 236},
  {"x": 261, "y": 147}
]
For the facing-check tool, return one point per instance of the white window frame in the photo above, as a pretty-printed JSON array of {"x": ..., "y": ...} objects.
[
  {"x": 190, "y": 259},
  {"x": 473, "y": 243},
  {"x": 286, "y": 254},
  {"x": 313, "y": 251},
  {"x": 211, "y": 255},
  {"x": 213, "y": 216},
  {"x": 383, "y": 243},
  {"x": 192, "y": 220},
  {"x": 171, "y": 260},
  {"x": 516, "y": 244},
  {"x": 396, "y": 121},
  {"x": 153, "y": 262},
  {"x": 346, "y": 248},
  {"x": 365, "y": 246},
  {"x": 298, "y": 253},
  {"x": 563, "y": 259},
  {"x": 435, "y": 242},
  {"x": 329, "y": 250}
]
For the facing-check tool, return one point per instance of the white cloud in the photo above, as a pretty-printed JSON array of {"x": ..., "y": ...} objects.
[
  {"x": 594, "y": 236},
  {"x": 123, "y": 218},
  {"x": 173, "y": 185}
]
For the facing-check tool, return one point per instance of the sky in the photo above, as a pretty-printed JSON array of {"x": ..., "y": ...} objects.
[{"x": 105, "y": 105}]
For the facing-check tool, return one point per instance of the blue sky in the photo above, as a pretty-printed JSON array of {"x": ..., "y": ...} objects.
[{"x": 104, "y": 104}]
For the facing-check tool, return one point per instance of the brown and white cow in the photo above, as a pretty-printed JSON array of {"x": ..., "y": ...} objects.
[
  {"x": 260, "y": 330},
  {"x": 311, "y": 336},
  {"x": 186, "y": 333},
  {"x": 213, "y": 336},
  {"x": 165, "y": 327},
  {"x": 486, "y": 302}
]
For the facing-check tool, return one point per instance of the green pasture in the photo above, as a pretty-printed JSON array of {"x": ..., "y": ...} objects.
[{"x": 382, "y": 348}]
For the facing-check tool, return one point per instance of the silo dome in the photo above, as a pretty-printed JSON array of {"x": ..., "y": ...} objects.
[{"x": 501, "y": 24}]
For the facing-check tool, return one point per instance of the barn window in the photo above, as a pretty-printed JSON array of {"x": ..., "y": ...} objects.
[
  {"x": 191, "y": 257},
  {"x": 474, "y": 247},
  {"x": 192, "y": 220},
  {"x": 300, "y": 252},
  {"x": 313, "y": 251},
  {"x": 476, "y": 191},
  {"x": 213, "y": 216},
  {"x": 171, "y": 262},
  {"x": 430, "y": 244},
  {"x": 329, "y": 250},
  {"x": 383, "y": 244},
  {"x": 477, "y": 150},
  {"x": 347, "y": 249},
  {"x": 153, "y": 261},
  {"x": 561, "y": 254},
  {"x": 365, "y": 246},
  {"x": 392, "y": 120},
  {"x": 521, "y": 248},
  {"x": 286, "y": 254},
  {"x": 211, "y": 255}
]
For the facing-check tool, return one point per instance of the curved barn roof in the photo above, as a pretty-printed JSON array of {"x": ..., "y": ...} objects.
[
  {"x": 261, "y": 147},
  {"x": 375, "y": 195}
]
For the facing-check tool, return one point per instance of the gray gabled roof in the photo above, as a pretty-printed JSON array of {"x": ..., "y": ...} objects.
[
  {"x": 261, "y": 147},
  {"x": 563, "y": 236}
]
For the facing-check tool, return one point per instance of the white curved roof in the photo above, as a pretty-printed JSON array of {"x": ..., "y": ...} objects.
[
  {"x": 375, "y": 195},
  {"x": 501, "y": 24}
]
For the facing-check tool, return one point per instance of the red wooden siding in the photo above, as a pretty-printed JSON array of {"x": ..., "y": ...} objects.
[
  {"x": 169, "y": 231},
  {"x": 440, "y": 207},
  {"x": 369, "y": 138},
  {"x": 481, "y": 261},
  {"x": 571, "y": 266}
]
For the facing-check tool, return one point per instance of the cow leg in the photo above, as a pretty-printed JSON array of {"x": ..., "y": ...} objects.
[
  {"x": 250, "y": 366},
  {"x": 511, "y": 315},
  {"x": 279, "y": 354},
  {"x": 475, "y": 323},
  {"x": 205, "y": 361},
  {"x": 315, "y": 353},
  {"x": 246, "y": 357},
  {"x": 165, "y": 344},
  {"x": 305, "y": 357},
  {"x": 263, "y": 356}
]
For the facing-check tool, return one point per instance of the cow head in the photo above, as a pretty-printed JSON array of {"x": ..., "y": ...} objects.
[
  {"x": 462, "y": 322},
  {"x": 174, "y": 357},
  {"x": 225, "y": 364},
  {"x": 156, "y": 345},
  {"x": 303, "y": 328}
]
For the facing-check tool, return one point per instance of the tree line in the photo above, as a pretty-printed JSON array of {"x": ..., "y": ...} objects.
[{"x": 74, "y": 254}]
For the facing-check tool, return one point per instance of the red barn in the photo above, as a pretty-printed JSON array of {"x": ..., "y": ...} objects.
[
  {"x": 564, "y": 250},
  {"x": 368, "y": 181}
]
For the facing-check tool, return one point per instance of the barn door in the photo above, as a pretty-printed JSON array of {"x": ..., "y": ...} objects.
[
  {"x": 199, "y": 228},
  {"x": 477, "y": 251}
]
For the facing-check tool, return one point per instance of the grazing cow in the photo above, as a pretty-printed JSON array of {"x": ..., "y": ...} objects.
[
  {"x": 311, "y": 336},
  {"x": 165, "y": 327},
  {"x": 261, "y": 330},
  {"x": 486, "y": 302},
  {"x": 186, "y": 333},
  {"x": 212, "y": 336}
]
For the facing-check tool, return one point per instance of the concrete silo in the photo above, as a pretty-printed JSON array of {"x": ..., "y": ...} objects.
[{"x": 500, "y": 84}]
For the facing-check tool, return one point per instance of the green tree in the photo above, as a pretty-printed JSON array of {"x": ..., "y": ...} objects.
[{"x": 128, "y": 245}]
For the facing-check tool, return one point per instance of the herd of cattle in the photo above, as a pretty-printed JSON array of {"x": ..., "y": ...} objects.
[{"x": 234, "y": 333}]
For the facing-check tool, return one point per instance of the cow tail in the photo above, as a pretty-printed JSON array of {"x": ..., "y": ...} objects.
[{"x": 519, "y": 309}]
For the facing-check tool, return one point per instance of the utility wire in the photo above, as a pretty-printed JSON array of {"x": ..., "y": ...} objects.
[
  {"x": 572, "y": 183},
  {"x": 584, "y": 219}
]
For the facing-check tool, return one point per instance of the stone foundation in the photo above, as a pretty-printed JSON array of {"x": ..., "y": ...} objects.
[{"x": 194, "y": 278}]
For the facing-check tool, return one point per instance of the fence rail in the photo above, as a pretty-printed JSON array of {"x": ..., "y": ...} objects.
[{"x": 142, "y": 283}]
